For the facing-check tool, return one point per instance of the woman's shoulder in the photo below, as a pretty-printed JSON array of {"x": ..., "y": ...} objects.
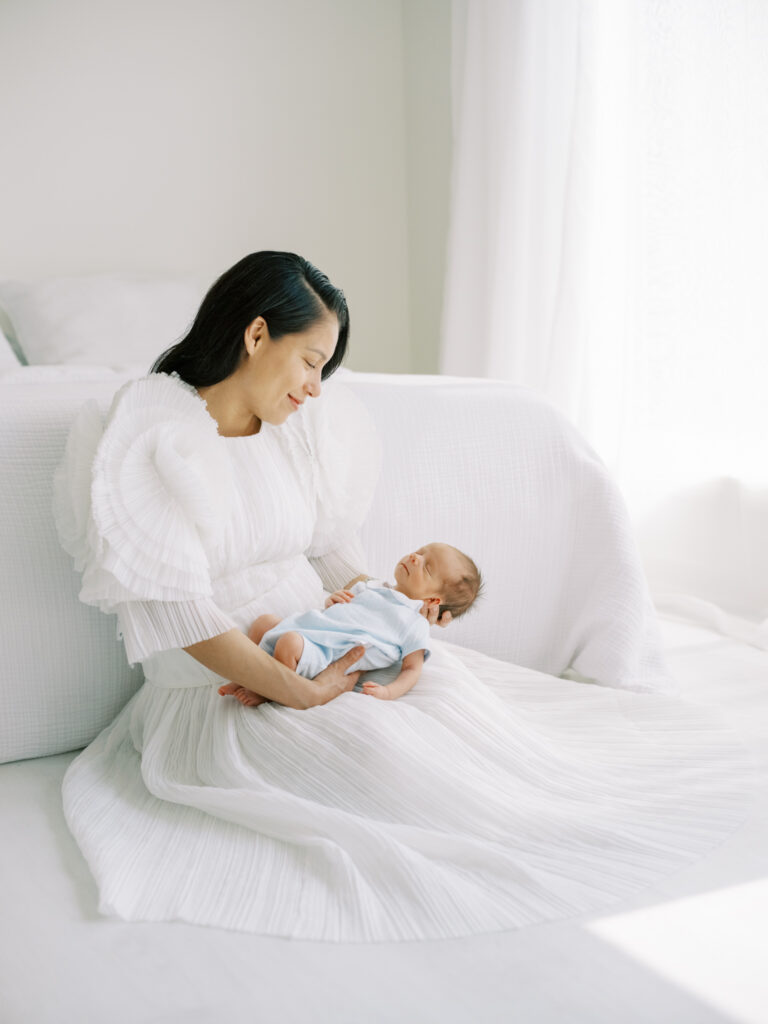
[
  {"x": 161, "y": 435},
  {"x": 141, "y": 500},
  {"x": 165, "y": 395},
  {"x": 346, "y": 454},
  {"x": 336, "y": 411},
  {"x": 161, "y": 488}
]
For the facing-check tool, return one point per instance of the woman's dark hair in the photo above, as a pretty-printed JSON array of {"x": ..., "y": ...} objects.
[{"x": 283, "y": 288}]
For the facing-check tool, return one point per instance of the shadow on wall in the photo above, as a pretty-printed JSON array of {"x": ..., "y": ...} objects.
[{"x": 710, "y": 542}]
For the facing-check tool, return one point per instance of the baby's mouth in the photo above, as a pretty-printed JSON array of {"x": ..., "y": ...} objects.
[{"x": 405, "y": 567}]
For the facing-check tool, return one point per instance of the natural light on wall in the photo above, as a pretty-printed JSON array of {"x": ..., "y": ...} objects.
[{"x": 607, "y": 248}]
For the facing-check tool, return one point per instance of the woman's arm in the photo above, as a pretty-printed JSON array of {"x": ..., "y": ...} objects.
[{"x": 233, "y": 656}]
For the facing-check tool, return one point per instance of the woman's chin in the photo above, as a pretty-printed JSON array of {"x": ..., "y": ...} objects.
[{"x": 278, "y": 417}]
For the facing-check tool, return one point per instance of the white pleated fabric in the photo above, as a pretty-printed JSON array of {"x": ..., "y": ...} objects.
[{"x": 488, "y": 797}]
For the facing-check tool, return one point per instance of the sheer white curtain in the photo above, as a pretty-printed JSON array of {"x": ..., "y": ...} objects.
[{"x": 609, "y": 230}]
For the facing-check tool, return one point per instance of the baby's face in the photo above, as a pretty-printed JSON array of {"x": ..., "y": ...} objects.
[{"x": 425, "y": 573}]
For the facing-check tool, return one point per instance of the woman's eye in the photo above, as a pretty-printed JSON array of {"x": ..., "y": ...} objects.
[{"x": 310, "y": 365}]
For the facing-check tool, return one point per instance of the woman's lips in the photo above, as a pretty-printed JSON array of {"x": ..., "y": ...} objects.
[{"x": 294, "y": 401}]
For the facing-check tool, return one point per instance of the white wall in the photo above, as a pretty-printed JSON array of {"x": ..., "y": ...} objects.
[
  {"x": 428, "y": 150},
  {"x": 174, "y": 136}
]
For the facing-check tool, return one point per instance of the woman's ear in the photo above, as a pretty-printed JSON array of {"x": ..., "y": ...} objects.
[{"x": 255, "y": 334}]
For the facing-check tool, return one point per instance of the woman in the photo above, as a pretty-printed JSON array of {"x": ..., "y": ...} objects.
[{"x": 219, "y": 489}]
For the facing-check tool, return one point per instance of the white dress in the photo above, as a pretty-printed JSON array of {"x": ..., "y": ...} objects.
[{"x": 488, "y": 797}]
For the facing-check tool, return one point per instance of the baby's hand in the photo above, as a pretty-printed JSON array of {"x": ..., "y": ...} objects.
[
  {"x": 339, "y": 597},
  {"x": 376, "y": 690}
]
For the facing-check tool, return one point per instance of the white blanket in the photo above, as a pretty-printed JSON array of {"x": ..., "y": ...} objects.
[{"x": 496, "y": 470}]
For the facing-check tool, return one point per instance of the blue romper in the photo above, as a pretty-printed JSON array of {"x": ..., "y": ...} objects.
[{"x": 386, "y": 621}]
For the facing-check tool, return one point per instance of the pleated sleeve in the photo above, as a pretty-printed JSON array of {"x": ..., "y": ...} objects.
[
  {"x": 151, "y": 626},
  {"x": 346, "y": 455},
  {"x": 140, "y": 503}
]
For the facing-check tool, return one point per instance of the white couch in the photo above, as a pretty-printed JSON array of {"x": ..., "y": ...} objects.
[
  {"x": 484, "y": 465},
  {"x": 455, "y": 468}
]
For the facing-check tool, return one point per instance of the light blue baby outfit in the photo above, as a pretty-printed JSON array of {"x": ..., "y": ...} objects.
[{"x": 386, "y": 621}]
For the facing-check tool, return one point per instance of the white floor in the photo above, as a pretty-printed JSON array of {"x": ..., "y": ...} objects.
[{"x": 692, "y": 950}]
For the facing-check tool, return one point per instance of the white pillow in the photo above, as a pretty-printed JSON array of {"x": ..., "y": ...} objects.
[
  {"x": 107, "y": 319},
  {"x": 8, "y": 358}
]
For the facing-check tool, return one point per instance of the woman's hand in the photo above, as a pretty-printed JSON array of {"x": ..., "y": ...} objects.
[
  {"x": 430, "y": 613},
  {"x": 339, "y": 597},
  {"x": 333, "y": 680}
]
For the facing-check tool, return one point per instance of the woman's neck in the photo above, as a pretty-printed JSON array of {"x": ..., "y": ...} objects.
[{"x": 232, "y": 418}]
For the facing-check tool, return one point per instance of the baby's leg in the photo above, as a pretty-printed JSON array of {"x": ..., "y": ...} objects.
[
  {"x": 288, "y": 649},
  {"x": 248, "y": 697},
  {"x": 261, "y": 626}
]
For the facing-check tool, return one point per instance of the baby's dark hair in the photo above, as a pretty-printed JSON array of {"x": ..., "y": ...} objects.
[{"x": 461, "y": 594}]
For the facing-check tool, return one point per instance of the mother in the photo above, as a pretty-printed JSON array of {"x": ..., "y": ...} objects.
[
  {"x": 269, "y": 331},
  {"x": 488, "y": 797}
]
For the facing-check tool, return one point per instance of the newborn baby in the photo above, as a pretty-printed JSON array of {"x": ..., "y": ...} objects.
[{"x": 386, "y": 618}]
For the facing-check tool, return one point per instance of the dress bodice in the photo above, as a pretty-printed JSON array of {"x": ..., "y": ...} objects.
[{"x": 162, "y": 513}]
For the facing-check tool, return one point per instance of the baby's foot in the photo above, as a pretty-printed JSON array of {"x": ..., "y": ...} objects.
[{"x": 246, "y": 697}]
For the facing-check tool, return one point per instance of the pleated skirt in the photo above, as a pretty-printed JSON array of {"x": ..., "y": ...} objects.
[{"x": 488, "y": 798}]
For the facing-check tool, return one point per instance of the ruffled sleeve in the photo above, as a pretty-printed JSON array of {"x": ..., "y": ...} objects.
[
  {"x": 346, "y": 458},
  {"x": 140, "y": 503}
]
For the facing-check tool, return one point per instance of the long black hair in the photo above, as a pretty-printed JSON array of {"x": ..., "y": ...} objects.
[{"x": 283, "y": 288}]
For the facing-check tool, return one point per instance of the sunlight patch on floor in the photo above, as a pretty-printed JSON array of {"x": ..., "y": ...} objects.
[{"x": 713, "y": 945}]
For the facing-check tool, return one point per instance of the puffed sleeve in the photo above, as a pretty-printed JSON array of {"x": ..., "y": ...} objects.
[
  {"x": 139, "y": 503},
  {"x": 346, "y": 454}
]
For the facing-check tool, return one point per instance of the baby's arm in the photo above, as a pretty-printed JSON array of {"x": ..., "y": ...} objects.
[
  {"x": 349, "y": 593},
  {"x": 413, "y": 663}
]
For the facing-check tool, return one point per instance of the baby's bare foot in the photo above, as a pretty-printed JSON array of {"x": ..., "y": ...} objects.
[
  {"x": 246, "y": 697},
  {"x": 249, "y": 698}
]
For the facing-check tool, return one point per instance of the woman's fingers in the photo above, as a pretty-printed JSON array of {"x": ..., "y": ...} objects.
[
  {"x": 431, "y": 612},
  {"x": 350, "y": 658},
  {"x": 335, "y": 680}
]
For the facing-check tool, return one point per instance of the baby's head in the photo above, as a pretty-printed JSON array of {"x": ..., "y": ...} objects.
[{"x": 439, "y": 574}]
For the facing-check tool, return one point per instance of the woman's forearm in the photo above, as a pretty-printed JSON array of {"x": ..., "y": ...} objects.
[{"x": 236, "y": 658}]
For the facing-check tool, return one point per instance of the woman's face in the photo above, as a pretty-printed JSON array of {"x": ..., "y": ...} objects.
[{"x": 279, "y": 376}]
